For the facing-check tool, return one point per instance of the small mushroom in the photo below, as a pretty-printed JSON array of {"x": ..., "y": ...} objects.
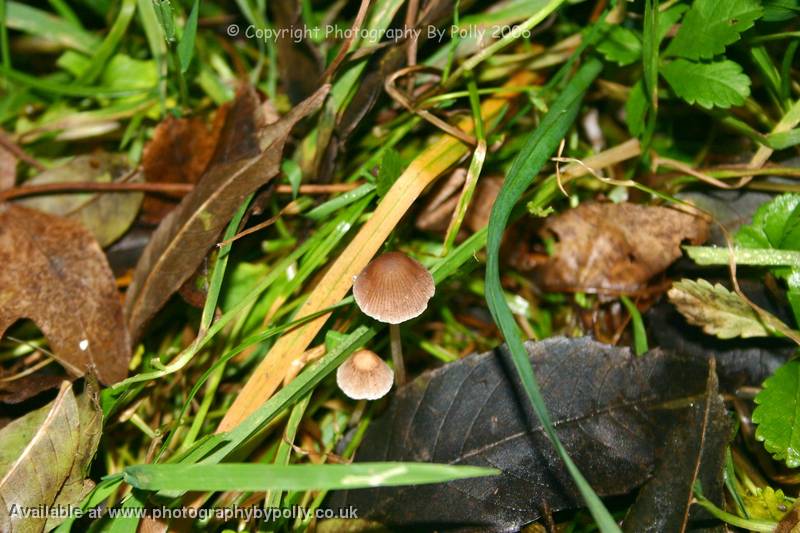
[
  {"x": 364, "y": 376},
  {"x": 392, "y": 289}
]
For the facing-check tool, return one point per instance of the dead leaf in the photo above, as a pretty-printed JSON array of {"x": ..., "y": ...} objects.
[
  {"x": 107, "y": 215},
  {"x": 179, "y": 152},
  {"x": 44, "y": 459},
  {"x": 718, "y": 311},
  {"x": 55, "y": 274},
  {"x": 299, "y": 62},
  {"x": 438, "y": 211},
  {"x": 246, "y": 158},
  {"x": 694, "y": 451},
  {"x": 615, "y": 248},
  {"x": 740, "y": 362},
  {"x": 26, "y": 387},
  {"x": 8, "y": 169},
  {"x": 610, "y": 408}
]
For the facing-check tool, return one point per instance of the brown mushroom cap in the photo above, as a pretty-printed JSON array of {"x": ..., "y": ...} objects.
[
  {"x": 364, "y": 376},
  {"x": 393, "y": 288}
]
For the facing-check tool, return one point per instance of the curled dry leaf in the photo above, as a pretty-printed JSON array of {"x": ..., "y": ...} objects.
[
  {"x": 55, "y": 274},
  {"x": 107, "y": 215},
  {"x": 615, "y": 248},
  {"x": 45, "y": 457},
  {"x": 247, "y": 156},
  {"x": 717, "y": 310}
]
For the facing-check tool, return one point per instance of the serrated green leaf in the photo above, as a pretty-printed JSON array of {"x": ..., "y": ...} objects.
[
  {"x": 720, "y": 84},
  {"x": 777, "y": 414},
  {"x": 635, "y": 109},
  {"x": 668, "y": 18},
  {"x": 776, "y": 224},
  {"x": 620, "y": 45},
  {"x": 711, "y": 25},
  {"x": 717, "y": 310}
]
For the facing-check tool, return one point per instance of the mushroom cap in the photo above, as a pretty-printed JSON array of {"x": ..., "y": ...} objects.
[
  {"x": 364, "y": 376},
  {"x": 393, "y": 288}
]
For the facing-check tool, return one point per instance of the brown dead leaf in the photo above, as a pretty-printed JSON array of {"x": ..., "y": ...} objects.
[
  {"x": 55, "y": 274},
  {"x": 437, "y": 212},
  {"x": 248, "y": 156},
  {"x": 107, "y": 215},
  {"x": 19, "y": 390},
  {"x": 615, "y": 248},
  {"x": 179, "y": 152},
  {"x": 8, "y": 169}
]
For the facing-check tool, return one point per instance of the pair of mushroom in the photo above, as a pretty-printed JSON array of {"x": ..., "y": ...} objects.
[{"x": 393, "y": 289}]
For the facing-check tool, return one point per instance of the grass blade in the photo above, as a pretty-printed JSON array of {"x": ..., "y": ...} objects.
[
  {"x": 535, "y": 153},
  {"x": 261, "y": 477},
  {"x": 186, "y": 46}
]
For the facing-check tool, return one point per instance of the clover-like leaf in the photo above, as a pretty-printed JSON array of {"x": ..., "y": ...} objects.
[
  {"x": 711, "y": 25},
  {"x": 777, "y": 414},
  {"x": 720, "y": 84}
]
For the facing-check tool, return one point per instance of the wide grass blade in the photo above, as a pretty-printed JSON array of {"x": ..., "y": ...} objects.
[
  {"x": 535, "y": 153},
  {"x": 261, "y": 477}
]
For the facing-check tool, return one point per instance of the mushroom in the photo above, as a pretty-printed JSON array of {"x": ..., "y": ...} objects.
[
  {"x": 394, "y": 288},
  {"x": 364, "y": 376}
]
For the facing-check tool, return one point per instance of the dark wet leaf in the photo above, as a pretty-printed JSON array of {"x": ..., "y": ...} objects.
[
  {"x": 695, "y": 451},
  {"x": 300, "y": 65},
  {"x": 55, "y": 274},
  {"x": 611, "y": 410},
  {"x": 45, "y": 457},
  {"x": 107, "y": 215},
  {"x": 247, "y": 156},
  {"x": 604, "y": 247}
]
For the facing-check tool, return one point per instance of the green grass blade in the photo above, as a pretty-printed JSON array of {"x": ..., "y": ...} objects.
[
  {"x": 106, "y": 49},
  {"x": 639, "y": 333},
  {"x": 261, "y": 477},
  {"x": 535, "y": 153},
  {"x": 42, "y": 24},
  {"x": 186, "y": 46}
]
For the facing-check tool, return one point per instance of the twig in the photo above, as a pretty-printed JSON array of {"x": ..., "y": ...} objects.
[
  {"x": 92, "y": 186},
  {"x": 401, "y": 98},
  {"x": 18, "y": 152},
  {"x": 354, "y": 29}
]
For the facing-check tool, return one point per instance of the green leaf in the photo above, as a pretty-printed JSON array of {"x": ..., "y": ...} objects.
[
  {"x": 186, "y": 46},
  {"x": 44, "y": 457},
  {"x": 711, "y": 25},
  {"x": 294, "y": 174},
  {"x": 538, "y": 148},
  {"x": 720, "y": 84},
  {"x": 620, "y": 45},
  {"x": 777, "y": 414},
  {"x": 391, "y": 168},
  {"x": 776, "y": 224},
  {"x": 253, "y": 477},
  {"x": 669, "y": 18},
  {"x": 717, "y": 310},
  {"x": 780, "y": 10},
  {"x": 636, "y": 109}
]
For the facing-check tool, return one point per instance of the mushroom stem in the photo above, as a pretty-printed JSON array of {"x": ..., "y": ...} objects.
[{"x": 397, "y": 354}]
